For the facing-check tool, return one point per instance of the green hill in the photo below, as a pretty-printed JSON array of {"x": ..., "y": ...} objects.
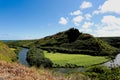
[
  {"x": 5, "y": 53},
  {"x": 70, "y": 41},
  {"x": 73, "y": 41}
]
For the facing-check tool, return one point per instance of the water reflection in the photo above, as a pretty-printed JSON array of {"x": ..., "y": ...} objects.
[{"x": 115, "y": 62}]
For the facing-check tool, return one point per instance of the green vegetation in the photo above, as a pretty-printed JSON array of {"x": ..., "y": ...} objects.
[
  {"x": 20, "y": 43},
  {"x": 73, "y": 41},
  {"x": 73, "y": 59},
  {"x": 69, "y": 49},
  {"x": 113, "y": 41},
  {"x": 70, "y": 41},
  {"x": 6, "y": 53},
  {"x": 36, "y": 57},
  {"x": 103, "y": 73}
]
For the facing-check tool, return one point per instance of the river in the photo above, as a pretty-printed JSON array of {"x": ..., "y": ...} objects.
[
  {"x": 23, "y": 54},
  {"x": 22, "y": 57}
]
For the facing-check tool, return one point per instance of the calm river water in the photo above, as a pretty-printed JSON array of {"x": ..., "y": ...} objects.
[{"x": 22, "y": 57}]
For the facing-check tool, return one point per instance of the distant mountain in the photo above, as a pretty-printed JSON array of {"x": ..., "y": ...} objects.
[{"x": 5, "y": 53}]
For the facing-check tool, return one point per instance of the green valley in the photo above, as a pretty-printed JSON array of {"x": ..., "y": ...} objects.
[{"x": 75, "y": 60}]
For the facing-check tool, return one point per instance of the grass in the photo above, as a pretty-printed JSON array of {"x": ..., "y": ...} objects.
[
  {"x": 78, "y": 59},
  {"x": 6, "y": 53},
  {"x": 6, "y": 58},
  {"x": 13, "y": 49},
  {"x": 15, "y": 71}
]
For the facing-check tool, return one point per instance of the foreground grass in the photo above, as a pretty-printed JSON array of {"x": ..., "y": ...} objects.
[
  {"x": 78, "y": 59},
  {"x": 15, "y": 71}
]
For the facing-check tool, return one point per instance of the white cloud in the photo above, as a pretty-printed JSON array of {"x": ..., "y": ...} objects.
[
  {"x": 87, "y": 25},
  {"x": 77, "y": 20},
  {"x": 63, "y": 21},
  {"x": 88, "y": 16},
  {"x": 77, "y": 12},
  {"x": 96, "y": 12},
  {"x": 110, "y": 26},
  {"x": 85, "y": 5},
  {"x": 111, "y": 20},
  {"x": 109, "y": 6}
]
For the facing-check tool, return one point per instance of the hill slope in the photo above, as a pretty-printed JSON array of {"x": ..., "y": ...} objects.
[
  {"x": 73, "y": 41},
  {"x": 5, "y": 53},
  {"x": 114, "y": 41}
]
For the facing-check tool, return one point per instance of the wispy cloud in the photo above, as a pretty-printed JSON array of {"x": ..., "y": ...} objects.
[
  {"x": 85, "y": 5},
  {"x": 9, "y": 37},
  {"x": 88, "y": 16},
  {"x": 77, "y": 12},
  {"x": 63, "y": 21},
  {"x": 87, "y": 25},
  {"x": 77, "y": 20}
]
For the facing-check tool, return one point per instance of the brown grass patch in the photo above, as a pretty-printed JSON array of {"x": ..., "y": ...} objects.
[{"x": 15, "y": 71}]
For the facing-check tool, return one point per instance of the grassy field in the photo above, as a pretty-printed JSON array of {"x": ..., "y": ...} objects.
[{"x": 78, "y": 59}]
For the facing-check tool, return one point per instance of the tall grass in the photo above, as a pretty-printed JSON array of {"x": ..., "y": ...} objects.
[{"x": 15, "y": 71}]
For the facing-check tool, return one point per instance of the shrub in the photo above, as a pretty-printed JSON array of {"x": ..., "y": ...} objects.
[
  {"x": 35, "y": 57},
  {"x": 103, "y": 73}
]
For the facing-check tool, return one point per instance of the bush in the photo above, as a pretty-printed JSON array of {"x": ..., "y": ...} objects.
[{"x": 35, "y": 57}]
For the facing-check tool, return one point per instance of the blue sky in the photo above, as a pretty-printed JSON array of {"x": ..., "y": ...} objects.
[{"x": 34, "y": 19}]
